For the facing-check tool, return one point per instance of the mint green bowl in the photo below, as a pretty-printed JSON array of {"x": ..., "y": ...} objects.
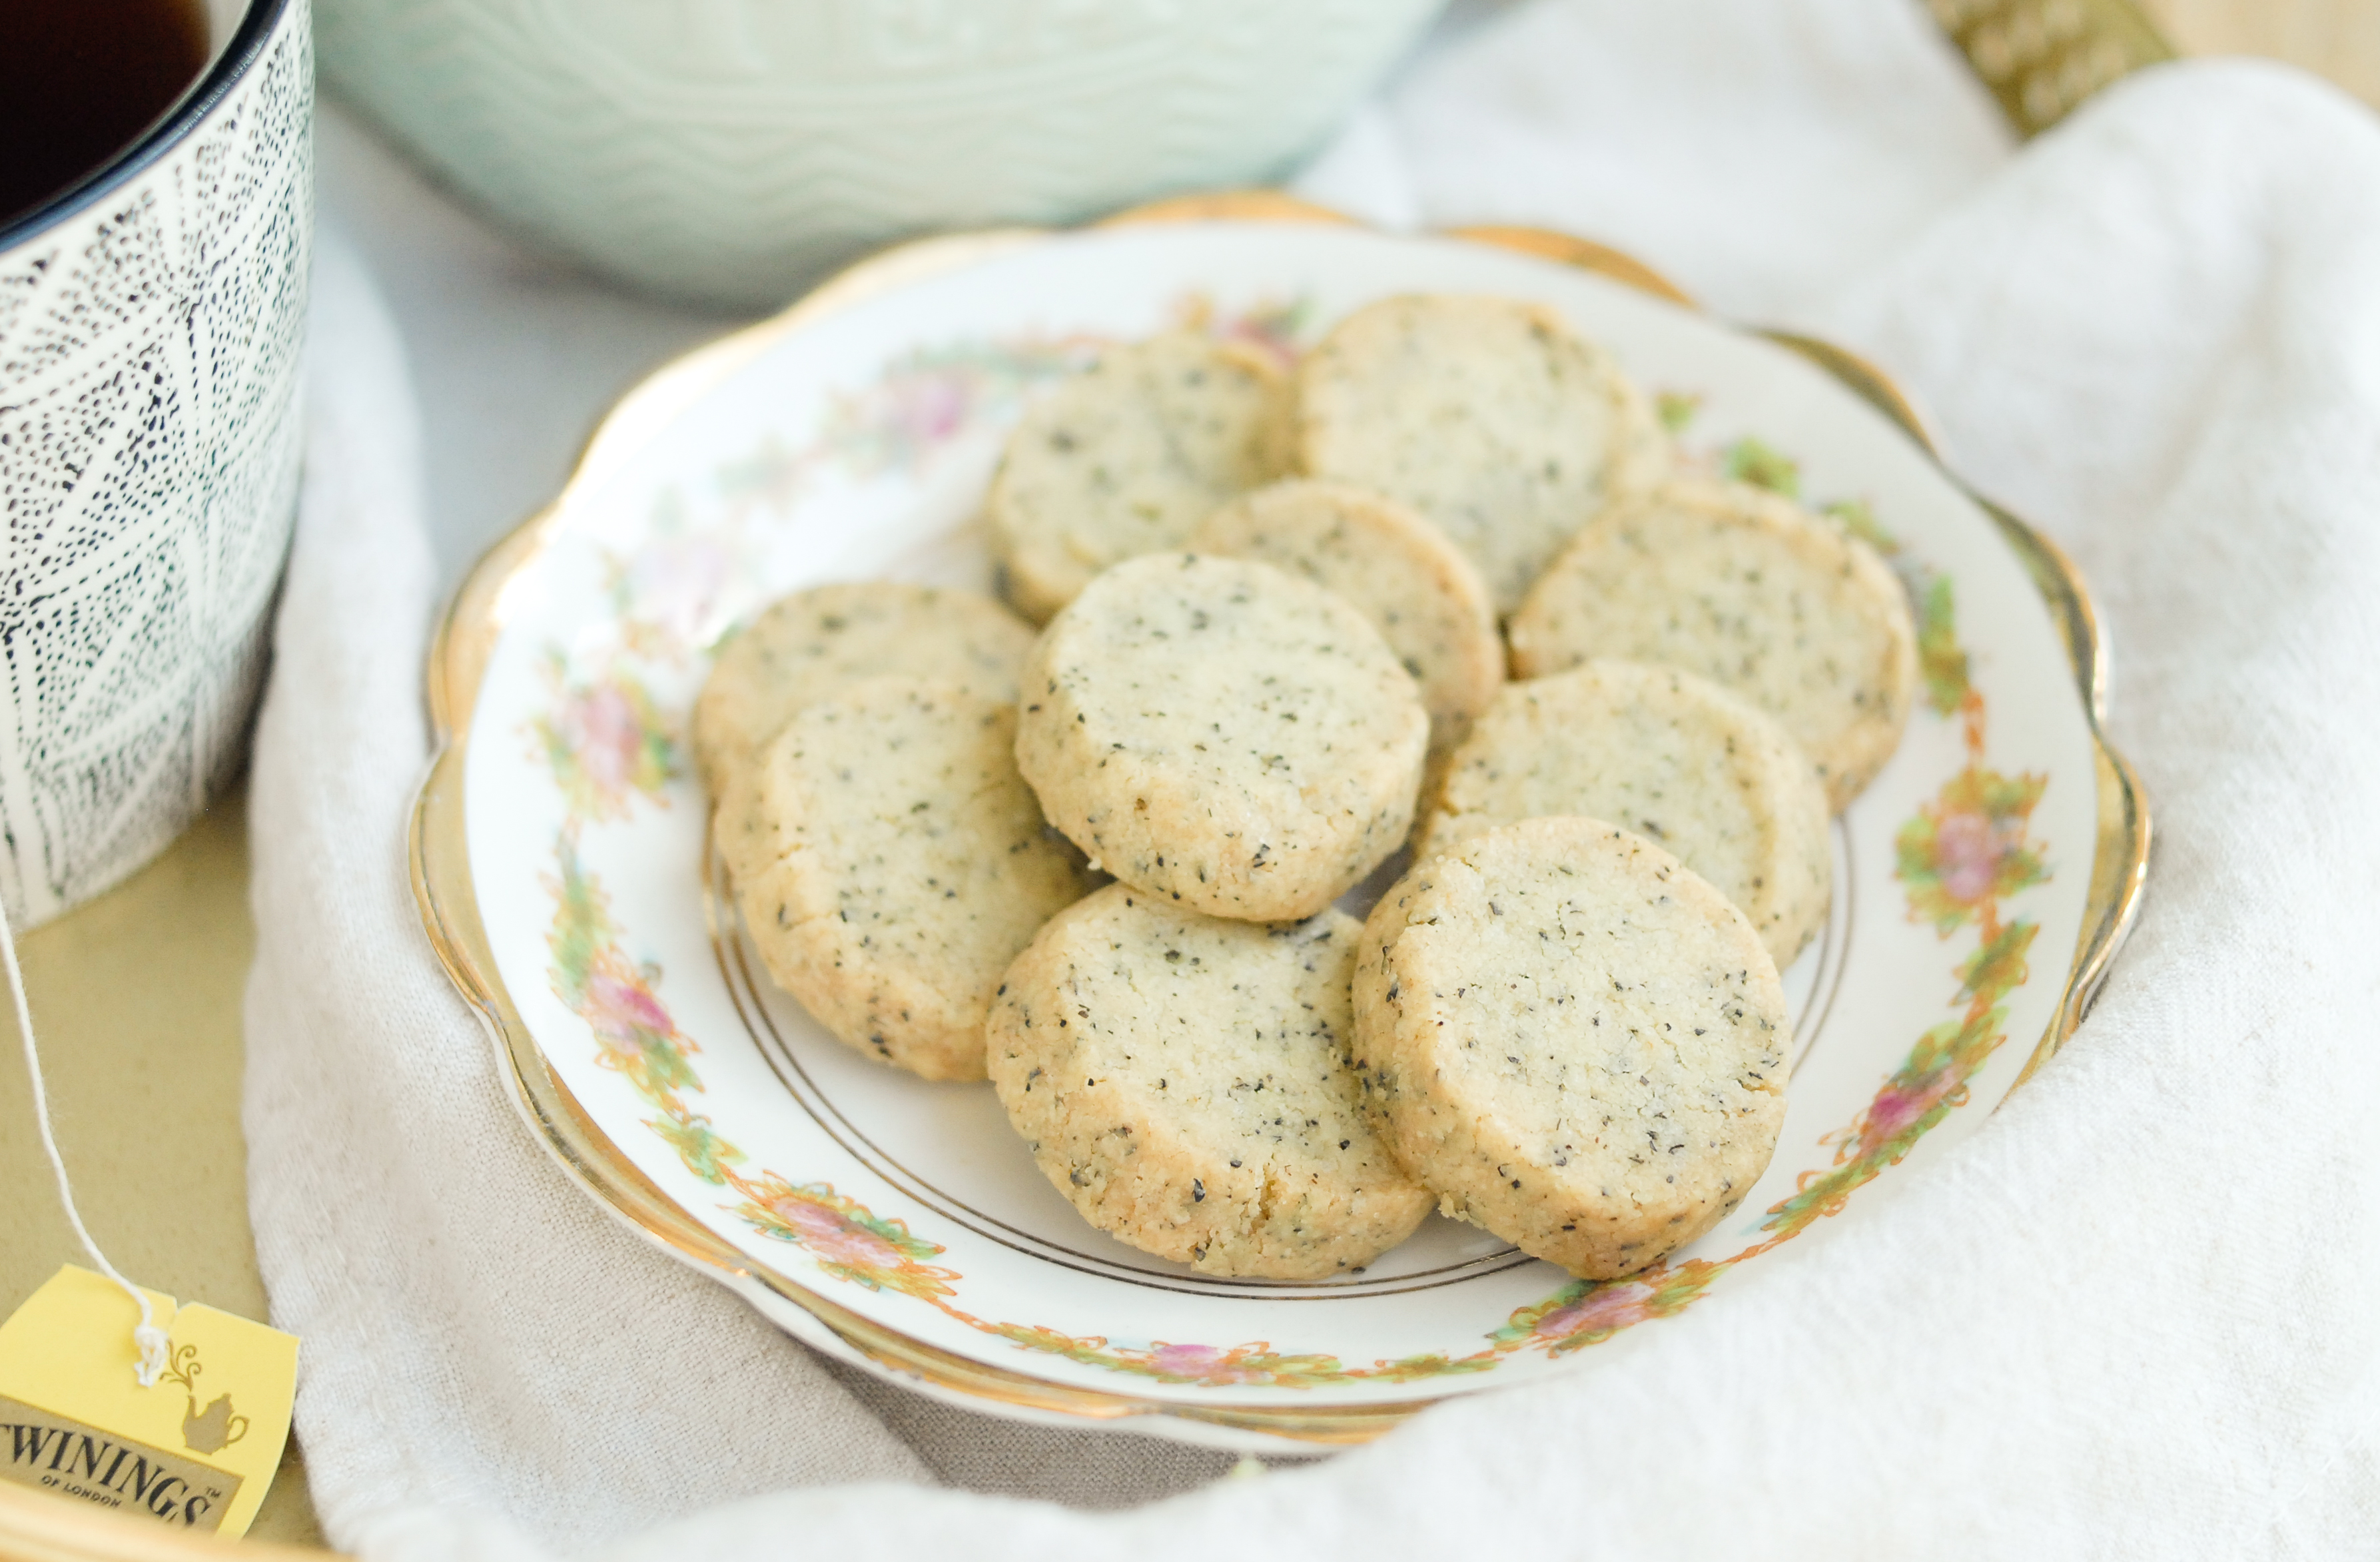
[{"x": 728, "y": 152}]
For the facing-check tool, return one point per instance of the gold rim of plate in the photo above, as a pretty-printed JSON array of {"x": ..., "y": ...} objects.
[{"x": 439, "y": 860}]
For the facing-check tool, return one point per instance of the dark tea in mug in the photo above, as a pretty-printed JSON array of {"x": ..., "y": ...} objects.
[{"x": 79, "y": 81}]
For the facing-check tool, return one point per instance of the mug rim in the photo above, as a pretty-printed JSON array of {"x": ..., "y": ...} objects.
[{"x": 246, "y": 47}]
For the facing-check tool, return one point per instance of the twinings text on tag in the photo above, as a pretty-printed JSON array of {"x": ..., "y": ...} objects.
[
  {"x": 197, "y": 1449},
  {"x": 60, "y": 1454}
]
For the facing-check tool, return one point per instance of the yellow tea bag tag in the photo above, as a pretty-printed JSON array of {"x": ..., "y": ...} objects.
[{"x": 195, "y": 1451}]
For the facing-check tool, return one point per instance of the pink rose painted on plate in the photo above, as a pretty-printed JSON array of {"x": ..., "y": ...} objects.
[
  {"x": 1201, "y": 1363},
  {"x": 1613, "y": 1307},
  {"x": 606, "y": 739},
  {"x": 1968, "y": 850},
  {"x": 833, "y": 1239},
  {"x": 1896, "y": 1107},
  {"x": 672, "y": 592},
  {"x": 623, "y": 1012}
]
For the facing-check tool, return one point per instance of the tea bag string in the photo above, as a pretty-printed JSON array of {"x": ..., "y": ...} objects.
[{"x": 147, "y": 1336}]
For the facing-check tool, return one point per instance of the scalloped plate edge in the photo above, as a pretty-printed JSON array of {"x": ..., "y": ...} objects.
[{"x": 439, "y": 866}]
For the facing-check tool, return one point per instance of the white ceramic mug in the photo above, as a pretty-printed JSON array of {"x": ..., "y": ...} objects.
[
  {"x": 149, "y": 324},
  {"x": 728, "y": 150}
]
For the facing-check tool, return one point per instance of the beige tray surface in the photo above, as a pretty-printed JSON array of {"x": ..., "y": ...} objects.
[{"x": 136, "y": 998}]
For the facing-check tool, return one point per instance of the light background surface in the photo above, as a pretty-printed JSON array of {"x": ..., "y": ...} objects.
[{"x": 2340, "y": 39}]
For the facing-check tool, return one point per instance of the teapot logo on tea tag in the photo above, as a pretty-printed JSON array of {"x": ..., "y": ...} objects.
[
  {"x": 195, "y": 1449},
  {"x": 214, "y": 1429}
]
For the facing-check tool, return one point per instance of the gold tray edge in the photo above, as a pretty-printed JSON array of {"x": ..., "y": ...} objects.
[
  {"x": 43, "y": 1527},
  {"x": 437, "y": 846},
  {"x": 2035, "y": 84}
]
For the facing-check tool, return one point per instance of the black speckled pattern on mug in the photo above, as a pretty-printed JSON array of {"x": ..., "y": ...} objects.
[{"x": 148, "y": 456}]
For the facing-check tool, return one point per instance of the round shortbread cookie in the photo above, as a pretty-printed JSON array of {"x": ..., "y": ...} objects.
[
  {"x": 1752, "y": 592},
  {"x": 1221, "y": 734},
  {"x": 1573, "y": 1040},
  {"x": 814, "y": 643},
  {"x": 1415, "y": 586},
  {"x": 1124, "y": 458},
  {"x": 890, "y": 862},
  {"x": 1183, "y": 1081},
  {"x": 1489, "y": 416},
  {"x": 1664, "y": 755}
]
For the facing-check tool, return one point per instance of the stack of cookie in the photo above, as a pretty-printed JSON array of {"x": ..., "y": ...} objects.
[
  {"x": 1279, "y": 610},
  {"x": 859, "y": 745}
]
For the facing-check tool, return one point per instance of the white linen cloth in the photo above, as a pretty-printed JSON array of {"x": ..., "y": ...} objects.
[{"x": 2138, "y": 1314}]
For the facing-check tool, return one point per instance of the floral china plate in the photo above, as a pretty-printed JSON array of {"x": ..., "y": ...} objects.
[{"x": 560, "y": 858}]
